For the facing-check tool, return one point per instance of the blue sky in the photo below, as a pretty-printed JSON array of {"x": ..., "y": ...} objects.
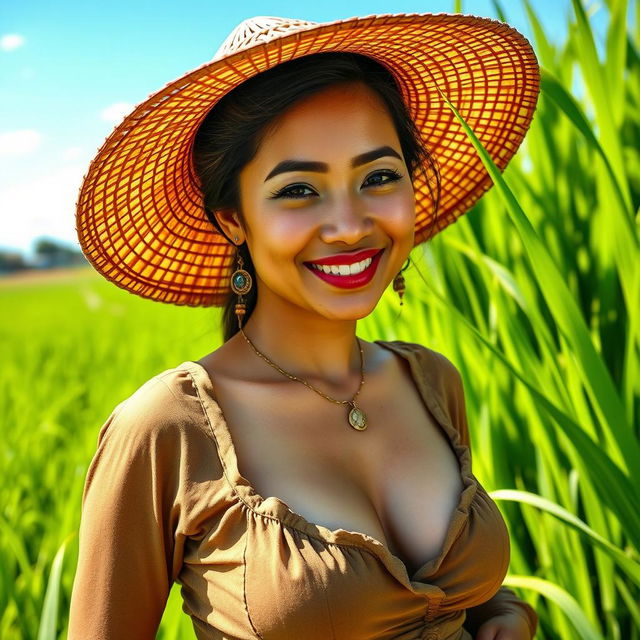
[{"x": 69, "y": 72}]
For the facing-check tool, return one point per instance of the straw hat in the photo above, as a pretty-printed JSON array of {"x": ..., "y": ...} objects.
[{"x": 140, "y": 217}]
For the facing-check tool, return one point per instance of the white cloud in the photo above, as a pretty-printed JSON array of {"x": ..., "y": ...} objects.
[
  {"x": 72, "y": 154},
  {"x": 11, "y": 41},
  {"x": 116, "y": 112},
  {"x": 13, "y": 143},
  {"x": 44, "y": 205}
]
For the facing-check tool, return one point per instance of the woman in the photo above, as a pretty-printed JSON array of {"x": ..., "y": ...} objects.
[{"x": 288, "y": 180}]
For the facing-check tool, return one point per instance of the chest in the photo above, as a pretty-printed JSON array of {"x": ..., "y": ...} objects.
[{"x": 398, "y": 481}]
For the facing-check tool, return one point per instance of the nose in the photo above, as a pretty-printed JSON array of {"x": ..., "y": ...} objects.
[{"x": 348, "y": 221}]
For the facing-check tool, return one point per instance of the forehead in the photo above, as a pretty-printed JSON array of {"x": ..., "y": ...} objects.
[{"x": 332, "y": 125}]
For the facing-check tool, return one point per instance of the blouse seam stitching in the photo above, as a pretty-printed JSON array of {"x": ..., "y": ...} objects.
[
  {"x": 234, "y": 490},
  {"x": 215, "y": 439},
  {"x": 225, "y": 472},
  {"x": 211, "y": 434},
  {"x": 220, "y": 456},
  {"x": 244, "y": 586}
]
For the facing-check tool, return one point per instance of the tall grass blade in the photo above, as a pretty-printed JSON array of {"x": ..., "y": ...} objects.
[
  {"x": 630, "y": 566},
  {"x": 49, "y": 619},
  {"x": 551, "y": 87},
  {"x": 596, "y": 377},
  {"x": 502, "y": 16},
  {"x": 565, "y": 601},
  {"x": 594, "y": 76}
]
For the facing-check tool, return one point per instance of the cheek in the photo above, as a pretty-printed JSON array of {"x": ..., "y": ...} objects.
[
  {"x": 282, "y": 236},
  {"x": 397, "y": 213},
  {"x": 293, "y": 221},
  {"x": 288, "y": 232},
  {"x": 274, "y": 230}
]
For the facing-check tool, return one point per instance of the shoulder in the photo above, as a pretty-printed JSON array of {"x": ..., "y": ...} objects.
[
  {"x": 163, "y": 408},
  {"x": 438, "y": 374},
  {"x": 444, "y": 382},
  {"x": 156, "y": 467},
  {"x": 437, "y": 368}
]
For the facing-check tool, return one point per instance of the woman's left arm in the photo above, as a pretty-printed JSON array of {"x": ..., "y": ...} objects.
[{"x": 503, "y": 617}]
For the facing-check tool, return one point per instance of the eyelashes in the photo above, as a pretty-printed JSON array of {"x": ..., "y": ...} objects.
[{"x": 286, "y": 192}]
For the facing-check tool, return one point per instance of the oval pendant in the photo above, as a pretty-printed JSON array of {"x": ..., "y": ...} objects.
[
  {"x": 241, "y": 281},
  {"x": 357, "y": 419}
]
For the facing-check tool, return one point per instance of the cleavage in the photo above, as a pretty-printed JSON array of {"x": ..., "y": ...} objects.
[{"x": 398, "y": 481}]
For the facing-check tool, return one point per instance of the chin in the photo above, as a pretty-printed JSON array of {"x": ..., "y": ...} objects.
[
  {"x": 348, "y": 304},
  {"x": 348, "y": 310}
]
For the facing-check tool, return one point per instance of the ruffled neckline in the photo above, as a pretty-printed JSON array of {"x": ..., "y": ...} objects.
[{"x": 274, "y": 507}]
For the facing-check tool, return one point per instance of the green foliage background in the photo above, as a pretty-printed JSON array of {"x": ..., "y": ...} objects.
[{"x": 534, "y": 295}]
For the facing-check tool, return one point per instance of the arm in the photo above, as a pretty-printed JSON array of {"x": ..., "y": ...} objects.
[
  {"x": 129, "y": 547},
  {"x": 504, "y": 601}
]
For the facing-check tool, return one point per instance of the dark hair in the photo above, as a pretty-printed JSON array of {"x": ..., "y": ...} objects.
[{"x": 230, "y": 135}]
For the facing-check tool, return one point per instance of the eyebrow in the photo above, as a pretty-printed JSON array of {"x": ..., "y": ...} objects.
[{"x": 307, "y": 165}]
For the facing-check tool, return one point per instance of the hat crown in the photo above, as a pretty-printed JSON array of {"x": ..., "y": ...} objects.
[{"x": 259, "y": 29}]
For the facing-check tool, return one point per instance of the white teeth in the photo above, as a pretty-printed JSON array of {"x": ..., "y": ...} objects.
[
  {"x": 360, "y": 266},
  {"x": 343, "y": 269}
]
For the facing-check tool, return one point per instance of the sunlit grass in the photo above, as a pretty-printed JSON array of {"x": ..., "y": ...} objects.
[
  {"x": 71, "y": 351},
  {"x": 534, "y": 295}
]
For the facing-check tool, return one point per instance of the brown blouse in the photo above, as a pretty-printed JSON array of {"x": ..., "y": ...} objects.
[{"x": 163, "y": 501}]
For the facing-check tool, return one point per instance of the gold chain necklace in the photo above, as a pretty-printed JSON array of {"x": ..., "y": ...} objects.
[{"x": 357, "y": 417}]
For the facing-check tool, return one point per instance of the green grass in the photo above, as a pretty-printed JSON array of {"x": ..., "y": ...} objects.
[
  {"x": 72, "y": 351},
  {"x": 534, "y": 295}
]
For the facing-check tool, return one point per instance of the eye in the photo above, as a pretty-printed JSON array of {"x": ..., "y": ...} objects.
[
  {"x": 302, "y": 191},
  {"x": 383, "y": 177},
  {"x": 293, "y": 191}
]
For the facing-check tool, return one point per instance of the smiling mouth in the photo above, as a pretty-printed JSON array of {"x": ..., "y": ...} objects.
[
  {"x": 347, "y": 276},
  {"x": 343, "y": 269}
]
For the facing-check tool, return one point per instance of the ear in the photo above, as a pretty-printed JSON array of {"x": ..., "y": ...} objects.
[{"x": 230, "y": 224}]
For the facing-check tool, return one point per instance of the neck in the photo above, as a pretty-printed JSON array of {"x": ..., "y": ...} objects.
[{"x": 305, "y": 344}]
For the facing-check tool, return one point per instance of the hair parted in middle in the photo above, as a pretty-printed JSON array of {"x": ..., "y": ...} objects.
[{"x": 230, "y": 135}]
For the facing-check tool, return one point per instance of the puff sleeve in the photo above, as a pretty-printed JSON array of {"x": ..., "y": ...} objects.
[
  {"x": 131, "y": 532},
  {"x": 504, "y": 600}
]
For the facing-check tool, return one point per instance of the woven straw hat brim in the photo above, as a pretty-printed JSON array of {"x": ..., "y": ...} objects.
[{"x": 140, "y": 218}]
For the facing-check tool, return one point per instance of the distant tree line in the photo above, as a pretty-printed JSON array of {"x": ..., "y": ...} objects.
[{"x": 49, "y": 253}]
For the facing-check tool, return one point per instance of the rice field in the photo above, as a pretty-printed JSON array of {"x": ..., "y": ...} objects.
[{"x": 534, "y": 295}]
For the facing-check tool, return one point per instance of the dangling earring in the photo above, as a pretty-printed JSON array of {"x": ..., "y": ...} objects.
[
  {"x": 398, "y": 281},
  {"x": 398, "y": 286},
  {"x": 241, "y": 284}
]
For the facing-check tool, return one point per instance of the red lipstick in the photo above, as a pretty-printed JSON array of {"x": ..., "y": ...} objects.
[{"x": 350, "y": 281}]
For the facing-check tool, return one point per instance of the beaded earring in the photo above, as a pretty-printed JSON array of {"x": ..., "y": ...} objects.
[
  {"x": 398, "y": 286},
  {"x": 398, "y": 281},
  {"x": 241, "y": 284}
]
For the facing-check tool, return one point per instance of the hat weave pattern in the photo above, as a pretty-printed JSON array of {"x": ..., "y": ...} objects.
[{"x": 140, "y": 217}]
